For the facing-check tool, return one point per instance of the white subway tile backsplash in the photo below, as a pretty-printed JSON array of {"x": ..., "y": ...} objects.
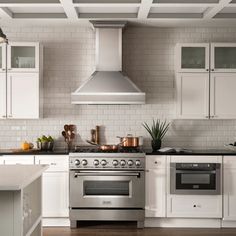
[{"x": 148, "y": 59}]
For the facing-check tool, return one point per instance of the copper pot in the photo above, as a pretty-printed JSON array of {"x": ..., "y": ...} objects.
[
  {"x": 129, "y": 141},
  {"x": 105, "y": 147}
]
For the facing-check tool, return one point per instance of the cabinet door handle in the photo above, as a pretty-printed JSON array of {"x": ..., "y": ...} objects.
[
  {"x": 207, "y": 117},
  {"x": 10, "y": 96},
  {"x": 3, "y": 69},
  {"x": 53, "y": 164},
  {"x": 4, "y": 116},
  {"x": 212, "y": 69},
  {"x": 207, "y": 69}
]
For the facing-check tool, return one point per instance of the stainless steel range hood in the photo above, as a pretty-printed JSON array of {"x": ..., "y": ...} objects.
[{"x": 108, "y": 84}]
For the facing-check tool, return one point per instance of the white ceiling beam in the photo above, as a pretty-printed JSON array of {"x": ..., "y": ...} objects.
[
  {"x": 100, "y": 5},
  {"x": 144, "y": 9},
  {"x": 6, "y": 13},
  {"x": 69, "y": 9},
  {"x": 211, "y": 12},
  {"x": 30, "y": 5},
  {"x": 195, "y": 5}
]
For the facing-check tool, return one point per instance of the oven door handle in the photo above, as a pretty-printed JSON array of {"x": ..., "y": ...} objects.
[
  {"x": 106, "y": 173},
  {"x": 194, "y": 172}
]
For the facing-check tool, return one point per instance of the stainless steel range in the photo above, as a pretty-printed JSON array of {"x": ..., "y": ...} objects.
[{"x": 107, "y": 186}]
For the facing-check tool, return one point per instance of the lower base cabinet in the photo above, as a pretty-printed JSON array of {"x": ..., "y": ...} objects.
[
  {"x": 155, "y": 186},
  {"x": 55, "y": 194},
  {"x": 55, "y": 186},
  {"x": 229, "y": 188},
  {"x": 194, "y": 206}
]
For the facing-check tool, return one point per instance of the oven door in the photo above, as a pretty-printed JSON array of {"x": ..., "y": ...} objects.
[
  {"x": 107, "y": 189},
  {"x": 203, "y": 182}
]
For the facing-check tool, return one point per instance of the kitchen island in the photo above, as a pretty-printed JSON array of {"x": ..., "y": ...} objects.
[{"x": 20, "y": 199}]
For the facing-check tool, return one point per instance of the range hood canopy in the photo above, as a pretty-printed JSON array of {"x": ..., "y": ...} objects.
[{"x": 108, "y": 85}]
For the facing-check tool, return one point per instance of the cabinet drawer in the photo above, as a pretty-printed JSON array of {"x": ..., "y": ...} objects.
[
  {"x": 55, "y": 162},
  {"x": 195, "y": 206},
  {"x": 230, "y": 162},
  {"x": 19, "y": 159},
  {"x": 155, "y": 162}
]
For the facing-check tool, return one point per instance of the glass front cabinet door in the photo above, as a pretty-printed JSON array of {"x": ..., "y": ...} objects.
[
  {"x": 23, "y": 57},
  {"x": 223, "y": 57},
  {"x": 192, "y": 57},
  {"x": 3, "y": 57}
]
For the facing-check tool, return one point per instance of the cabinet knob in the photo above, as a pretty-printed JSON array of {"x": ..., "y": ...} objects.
[
  {"x": 212, "y": 69},
  {"x": 207, "y": 69}
]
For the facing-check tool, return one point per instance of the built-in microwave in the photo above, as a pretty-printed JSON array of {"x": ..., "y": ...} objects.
[{"x": 195, "y": 178}]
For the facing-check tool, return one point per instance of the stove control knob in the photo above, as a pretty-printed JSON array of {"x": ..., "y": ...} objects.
[
  {"x": 103, "y": 162},
  {"x": 138, "y": 163},
  {"x": 115, "y": 163},
  {"x": 84, "y": 162},
  {"x": 130, "y": 162},
  {"x": 122, "y": 162},
  {"x": 77, "y": 162},
  {"x": 96, "y": 162}
]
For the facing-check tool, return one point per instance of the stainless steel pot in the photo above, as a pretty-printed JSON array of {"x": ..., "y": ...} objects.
[{"x": 129, "y": 141}]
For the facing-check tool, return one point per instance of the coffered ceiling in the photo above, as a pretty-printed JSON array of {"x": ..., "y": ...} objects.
[{"x": 139, "y": 11}]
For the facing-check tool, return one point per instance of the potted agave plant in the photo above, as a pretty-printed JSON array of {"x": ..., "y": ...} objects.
[{"x": 157, "y": 132}]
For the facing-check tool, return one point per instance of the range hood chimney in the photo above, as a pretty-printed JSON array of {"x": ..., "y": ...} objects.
[{"x": 108, "y": 84}]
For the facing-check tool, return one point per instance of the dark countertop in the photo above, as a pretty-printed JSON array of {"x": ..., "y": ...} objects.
[
  {"x": 32, "y": 152},
  {"x": 210, "y": 152}
]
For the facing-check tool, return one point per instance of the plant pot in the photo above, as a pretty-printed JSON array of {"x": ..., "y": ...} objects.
[{"x": 156, "y": 145}]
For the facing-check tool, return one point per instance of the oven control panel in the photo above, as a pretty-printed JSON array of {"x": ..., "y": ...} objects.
[{"x": 103, "y": 162}]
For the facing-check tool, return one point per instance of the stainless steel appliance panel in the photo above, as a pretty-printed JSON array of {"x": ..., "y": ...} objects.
[{"x": 107, "y": 189}]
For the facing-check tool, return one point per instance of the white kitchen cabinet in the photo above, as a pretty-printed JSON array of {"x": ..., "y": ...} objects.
[
  {"x": 223, "y": 95},
  {"x": 3, "y": 57},
  {"x": 194, "y": 206},
  {"x": 55, "y": 194},
  {"x": 192, "y": 57},
  {"x": 20, "y": 80},
  {"x": 23, "y": 57},
  {"x": 223, "y": 57},
  {"x": 208, "y": 91},
  {"x": 18, "y": 159},
  {"x": 55, "y": 185},
  {"x": 229, "y": 197},
  {"x": 23, "y": 96},
  {"x": 192, "y": 95},
  {"x": 155, "y": 186},
  {"x": 1, "y": 160},
  {"x": 3, "y": 96}
]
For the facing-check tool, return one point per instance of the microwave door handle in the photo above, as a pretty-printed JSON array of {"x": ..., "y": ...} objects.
[{"x": 194, "y": 172}]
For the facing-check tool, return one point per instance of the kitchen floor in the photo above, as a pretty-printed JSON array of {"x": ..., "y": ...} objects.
[
  {"x": 135, "y": 232},
  {"x": 104, "y": 230}
]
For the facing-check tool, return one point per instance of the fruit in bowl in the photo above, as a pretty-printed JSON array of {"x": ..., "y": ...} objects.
[{"x": 45, "y": 143}]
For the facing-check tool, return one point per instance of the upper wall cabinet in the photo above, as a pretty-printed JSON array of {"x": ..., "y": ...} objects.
[
  {"x": 192, "y": 57},
  {"x": 223, "y": 57},
  {"x": 3, "y": 57},
  {"x": 208, "y": 90},
  {"x": 20, "y": 69},
  {"x": 23, "y": 57}
]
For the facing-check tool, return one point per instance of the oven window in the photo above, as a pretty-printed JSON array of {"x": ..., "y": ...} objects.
[
  {"x": 117, "y": 188},
  {"x": 195, "y": 179}
]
